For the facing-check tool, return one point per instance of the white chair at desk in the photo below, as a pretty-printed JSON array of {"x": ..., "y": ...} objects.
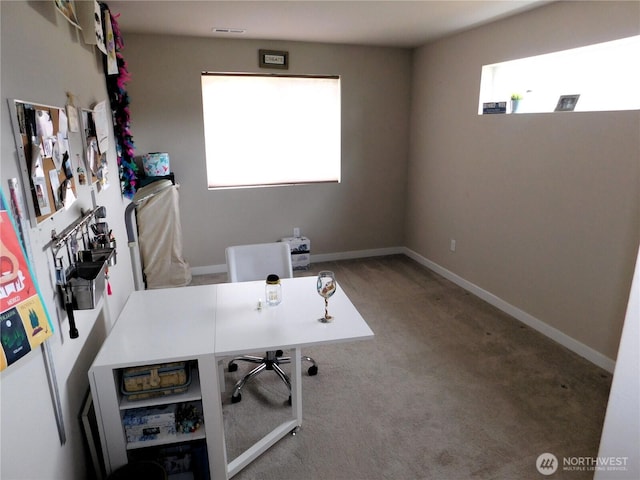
[{"x": 255, "y": 262}]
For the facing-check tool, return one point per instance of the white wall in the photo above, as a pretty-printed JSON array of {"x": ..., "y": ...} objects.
[
  {"x": 621, "y": 431},
  {"x": 364, "y": 211},
  {"x": 43, "y": 57},
  {"x": 544, "y": 208}
]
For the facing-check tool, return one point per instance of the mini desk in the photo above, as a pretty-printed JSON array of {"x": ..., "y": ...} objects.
[{"x": 205, "y": 324}]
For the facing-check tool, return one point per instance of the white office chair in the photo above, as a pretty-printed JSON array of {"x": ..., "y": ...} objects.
[{"x": 254, "y": 262}]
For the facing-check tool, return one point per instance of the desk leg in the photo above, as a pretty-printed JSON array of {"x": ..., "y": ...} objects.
[
  {"x": 280, "y": 431},
  {"x": 212, "y": 411},
  {"x": 296, "y": 386}
]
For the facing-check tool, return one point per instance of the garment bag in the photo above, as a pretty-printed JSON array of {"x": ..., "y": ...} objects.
[{"x": 160, "y": 236}]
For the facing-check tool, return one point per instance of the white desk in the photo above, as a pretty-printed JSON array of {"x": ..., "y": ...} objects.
[{"x": 206, "y": 323}]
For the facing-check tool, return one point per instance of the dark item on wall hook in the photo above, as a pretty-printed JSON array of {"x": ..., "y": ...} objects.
[
  {"x": 100, "y": 212},
  {"x": 68, "y": 304}
]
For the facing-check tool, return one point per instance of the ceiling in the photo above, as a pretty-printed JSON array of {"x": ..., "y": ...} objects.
[{"x": 396, "y": 23}]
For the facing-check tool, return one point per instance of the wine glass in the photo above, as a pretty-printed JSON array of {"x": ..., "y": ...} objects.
[{"x": 326, "y": 287}]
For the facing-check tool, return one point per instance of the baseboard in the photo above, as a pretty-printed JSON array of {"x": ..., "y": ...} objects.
[
  {"x": 556, "y": 335},
  {"x": 374, "y": 252},
  {"x": 209, "y": 269},
  {"x": 563, "y": 339}
]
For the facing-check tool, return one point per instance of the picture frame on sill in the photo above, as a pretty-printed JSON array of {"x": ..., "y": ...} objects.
[
  {"x": 567, "y": 103},
  {"x": 273, "y": 59}
]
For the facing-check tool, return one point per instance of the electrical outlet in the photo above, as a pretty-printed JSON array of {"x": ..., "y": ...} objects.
[
  {"x": 452, "y": 245},
  {"x": 296, "y": 232}
]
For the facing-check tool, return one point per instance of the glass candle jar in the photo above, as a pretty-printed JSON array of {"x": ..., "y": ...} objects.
[{"x": 273, "y": 290}]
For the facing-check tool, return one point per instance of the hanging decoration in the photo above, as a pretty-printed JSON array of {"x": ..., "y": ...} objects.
[{"x": 117, "y": 77}]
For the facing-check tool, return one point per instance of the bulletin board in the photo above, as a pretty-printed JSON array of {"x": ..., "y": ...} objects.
[{"x": 42, "y": 143}]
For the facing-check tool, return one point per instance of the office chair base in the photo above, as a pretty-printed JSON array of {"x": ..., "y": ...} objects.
[
  {"x": 233, "y": 366},
  {"x": 268, "y": 363},
  {"x": 312, "y": 370},
  {"x": 272, "y": 361}
]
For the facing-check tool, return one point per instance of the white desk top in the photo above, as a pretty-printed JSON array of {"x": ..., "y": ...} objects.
[
  {"x": 241, "y": 327},
  {"x": 180, "y": 323},
  {"x": 162, "y": 325}
]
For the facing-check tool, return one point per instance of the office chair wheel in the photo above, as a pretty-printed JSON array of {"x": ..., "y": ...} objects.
[
  {"x": 233, "y": 367},
  {"x": 236, "y": 399},
  {"x": 279, "y": 353},
  {"x": 313, "y": 370}
]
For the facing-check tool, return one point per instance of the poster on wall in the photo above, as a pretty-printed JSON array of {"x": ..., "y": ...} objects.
[
  {"x": 24, "y": 320},
  {"x": 110, "y": 43},
  {"x": 68, "y": 10},
  {"x": 89, "y": 15}
]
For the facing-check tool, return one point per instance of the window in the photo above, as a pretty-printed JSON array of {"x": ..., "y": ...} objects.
[
  {"x": 267, "y": 130},
  {"x": 605, "y": 75}
]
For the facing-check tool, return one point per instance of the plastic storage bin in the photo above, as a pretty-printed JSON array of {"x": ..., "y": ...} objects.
[{"x": 149, "y": 381}]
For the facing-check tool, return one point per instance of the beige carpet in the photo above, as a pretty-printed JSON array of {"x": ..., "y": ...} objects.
[{"x": 450, "y": 388}]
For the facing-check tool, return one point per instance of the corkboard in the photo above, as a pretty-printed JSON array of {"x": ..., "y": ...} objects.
[{"x": 45, "y": 161}]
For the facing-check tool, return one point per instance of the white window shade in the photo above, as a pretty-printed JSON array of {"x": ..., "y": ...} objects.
[{"x": 265, "y": 130}]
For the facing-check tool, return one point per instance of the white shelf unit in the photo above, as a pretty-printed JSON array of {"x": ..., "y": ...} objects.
[
  {"x": 118, "y": 451},
  {"x": 192, "y": 394},
  {"x": 154, "y": 328}
]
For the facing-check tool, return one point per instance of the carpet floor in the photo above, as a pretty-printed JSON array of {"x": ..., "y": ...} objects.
[{"x": 449, "y": 388}]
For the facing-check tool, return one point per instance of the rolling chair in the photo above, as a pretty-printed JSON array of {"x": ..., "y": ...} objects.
[{"x": 254, "y": 262}]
